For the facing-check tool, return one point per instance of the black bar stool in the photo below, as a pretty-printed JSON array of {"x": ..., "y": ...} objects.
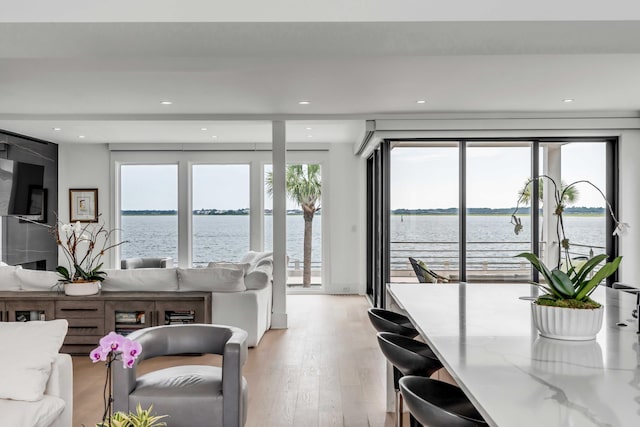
[
  {"x": 408, "y": 357},
  {"x": 390, "y": 321},
  {"x": 438, "y": 404}
]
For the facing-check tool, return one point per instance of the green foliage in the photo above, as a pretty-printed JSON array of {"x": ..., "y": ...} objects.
[
  {"x": 575, "y": 284},
  {"x": 141, "y": 418}
]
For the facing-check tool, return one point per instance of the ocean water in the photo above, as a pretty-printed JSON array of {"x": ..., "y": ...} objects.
[
  {"x": 430, "y": 237},
  {"x": 491, "y": 240},
  {"x": 215, "y": 237}
]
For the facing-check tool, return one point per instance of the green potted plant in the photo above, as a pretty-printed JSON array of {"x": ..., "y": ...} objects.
[
  {"x": 140, "y": 418},
  {"x": 565, "y": 310}
]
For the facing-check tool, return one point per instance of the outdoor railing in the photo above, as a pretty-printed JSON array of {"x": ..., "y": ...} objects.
[{"x": 489, "y": 259}]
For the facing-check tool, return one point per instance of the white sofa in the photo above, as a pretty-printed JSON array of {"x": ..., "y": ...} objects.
[
  {"x": 25, "y": 399},
  {"x": 241, "y": 293}
]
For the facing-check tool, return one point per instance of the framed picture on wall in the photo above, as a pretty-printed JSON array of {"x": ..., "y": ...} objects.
[{"x": 83, "y": 204}]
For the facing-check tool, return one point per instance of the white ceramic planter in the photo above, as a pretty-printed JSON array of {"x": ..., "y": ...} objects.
[
  {"x": 567, "y": 323},
  {"x": 82, "y": 288}
]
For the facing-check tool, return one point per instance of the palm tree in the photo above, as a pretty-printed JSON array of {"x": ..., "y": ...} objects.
[{"x": 304, "y": 187}]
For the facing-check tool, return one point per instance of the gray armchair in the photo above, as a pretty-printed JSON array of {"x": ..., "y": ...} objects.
[
  {"x": 192, "y": 395},
  {"x": 129, "y": 263}
]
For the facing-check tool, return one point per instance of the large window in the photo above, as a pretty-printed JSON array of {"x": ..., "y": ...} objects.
[
  {"x": 304, "y": 228},
  {"x": 424, "y": 222},
  {"x": 148, "y": 211},
  {"x": 459, "y": 222},
  {"x": 220, "y": 201},
  {"x": 495, "y": 175}
]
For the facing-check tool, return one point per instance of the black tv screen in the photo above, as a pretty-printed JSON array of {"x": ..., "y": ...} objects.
[{"x": 21, "y": 188}]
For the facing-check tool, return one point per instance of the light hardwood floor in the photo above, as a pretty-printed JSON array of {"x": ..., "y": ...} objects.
[{"x": 325, "y": 370}]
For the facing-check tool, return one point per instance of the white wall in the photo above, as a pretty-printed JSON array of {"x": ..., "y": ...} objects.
[
  {"x": 88, "y": 166},
  {"x": 630, "y": 206},
  {"x": 84, "y": 166},
  {"x": 347, "y": 225}
]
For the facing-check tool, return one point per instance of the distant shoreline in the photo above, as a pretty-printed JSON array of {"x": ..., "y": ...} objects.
[{"x": 591, "y": 212}]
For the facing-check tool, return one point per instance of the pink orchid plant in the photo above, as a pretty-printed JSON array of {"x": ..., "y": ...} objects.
[{"x": 114, "y": 347}]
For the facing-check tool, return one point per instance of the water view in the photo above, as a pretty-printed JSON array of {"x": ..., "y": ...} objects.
[
  {"x": 215, "y": 237},
  {"x": 429, "y": 237}
]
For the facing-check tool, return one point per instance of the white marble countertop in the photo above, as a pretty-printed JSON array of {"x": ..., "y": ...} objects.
[{"x": 485, "y": 337}]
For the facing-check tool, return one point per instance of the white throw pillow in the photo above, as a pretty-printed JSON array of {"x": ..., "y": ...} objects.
[
  {"x": 9, "y": 278},
  {"x": 28, "y": 349},
  {"x": 32, "y": 414},
  {"x": 244, "y": 266},
  {"x": 254, "y": 257},
  {"x": 259, "y": 277},
  {"x": 214, "y": 279},
  {"x": 141, "y": 279},
  {"x": 37, "y": 280}
]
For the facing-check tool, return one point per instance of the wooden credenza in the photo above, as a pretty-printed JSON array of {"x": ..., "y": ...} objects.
[{"x": 91, "y": 317}]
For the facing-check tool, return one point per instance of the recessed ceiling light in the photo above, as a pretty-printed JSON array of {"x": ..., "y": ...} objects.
[
  {"x": 57, "y": 129},
  {"x": 567, "y": 100},
  {"x": 166, "y": 102},
  {"x": 421, "y": 101},
  {"x": 214, "y": 136},
  {"x": 304, "y": 102},
  {"x": 81, "y": 136},
  {"x": 309, "y": 136},
  {"x": 308, "y": 128},
  {"x": 203, "y": 128}
]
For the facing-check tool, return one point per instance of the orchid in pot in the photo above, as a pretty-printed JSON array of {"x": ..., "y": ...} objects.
[
  {"x": 115, "y": 347},
  {"x": 83, "y": 247},
  {"x": 568, "y": 284}
]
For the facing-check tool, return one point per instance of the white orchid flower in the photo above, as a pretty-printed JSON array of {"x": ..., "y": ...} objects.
[
  {"x": 66, "y": 228},
  {"x": 621, "y": 229}
]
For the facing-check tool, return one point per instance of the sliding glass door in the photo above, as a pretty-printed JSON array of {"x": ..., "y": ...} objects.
[{"x": 449, "y": 204}]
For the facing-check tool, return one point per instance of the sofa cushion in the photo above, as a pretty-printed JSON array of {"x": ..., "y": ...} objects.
[
  {"x": 27, "y": 352},
  {"x": 33, "y": 414},
  {"x": 36, "y": 280},
  {"x": 9, "y": 278},
  {"x": 145, "y": 279},
  {"x": 212, "y": 279},
  {"x": 259, "y": 277}
]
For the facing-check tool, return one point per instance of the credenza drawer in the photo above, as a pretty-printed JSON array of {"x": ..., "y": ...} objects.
[
  {"x": 79, "y": 309},
  {"x": 86, "y": 326}
]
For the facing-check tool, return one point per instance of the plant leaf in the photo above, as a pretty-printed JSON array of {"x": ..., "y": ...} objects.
[
  {"x": 607, "y": 270},
  {"x": 63, "y": 272},
  {"x": 588, "y": 266},
  {"x": 539, "y": 265},
  {"x": 562, "y": 283}
]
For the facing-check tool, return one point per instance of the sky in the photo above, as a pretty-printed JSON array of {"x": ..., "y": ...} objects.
[
  {"x": 427, "y": 178},
  {"x": 420, "y": 178}
]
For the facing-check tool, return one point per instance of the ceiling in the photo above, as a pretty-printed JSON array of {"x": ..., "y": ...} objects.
[{"x": 105, "y": 81}]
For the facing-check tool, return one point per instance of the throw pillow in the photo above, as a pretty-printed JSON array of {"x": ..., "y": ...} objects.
[
  {"x": 259, "y": 277},
  {"x": 36, "y": 280},
  {"x": 27, "y": 353},
  {"x": 214, "y": 279},
  {"x": 9, "y": 278},
  {"x": 243, "y": 265}
]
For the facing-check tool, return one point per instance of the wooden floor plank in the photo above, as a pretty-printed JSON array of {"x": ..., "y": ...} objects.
[{"x": 325, "y": 370}]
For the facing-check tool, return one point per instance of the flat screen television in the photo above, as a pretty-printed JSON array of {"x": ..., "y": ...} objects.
[{"x": 21, "y": 189}]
